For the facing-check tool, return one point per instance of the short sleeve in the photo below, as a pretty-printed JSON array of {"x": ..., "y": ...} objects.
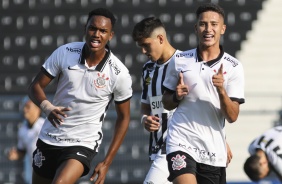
[
  {"x": 172, "y": 76},
  {"x": 123, "y": 88},
  {"x": 236, "y": 84},
  {"x": 52, "y": 64}
]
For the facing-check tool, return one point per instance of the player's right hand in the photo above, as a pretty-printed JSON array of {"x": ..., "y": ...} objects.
[
  {"x": 57, "y": 115},
  {"x": 181, "y": 88},
  {"x": 151, "y": 123}
]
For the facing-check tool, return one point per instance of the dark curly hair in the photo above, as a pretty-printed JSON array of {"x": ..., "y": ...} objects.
[{"x": 103, "y": 12}]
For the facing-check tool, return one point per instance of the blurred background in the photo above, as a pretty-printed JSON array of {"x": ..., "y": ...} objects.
[{"x": 31, "y": 29}]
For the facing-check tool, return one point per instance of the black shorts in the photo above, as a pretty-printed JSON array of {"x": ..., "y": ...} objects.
[
  {"x": 47, "y": 158},
  {"x": 181, "y": 163}
]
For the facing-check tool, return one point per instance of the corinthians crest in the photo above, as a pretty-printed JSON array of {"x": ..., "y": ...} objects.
[
  {"x": 178, "y": 162},
  {"x": 100, "y": 82}
]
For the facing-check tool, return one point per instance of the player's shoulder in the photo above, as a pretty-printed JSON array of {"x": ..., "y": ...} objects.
[
  {"x": 186, "y": 54},
  {"x": 116, "y": 64},
  {"x": 276, "y": 130},
  {"x": 227, "y": 58},
  {"x": 149, "y": 65},
  {"x": 72, "y": 47}
]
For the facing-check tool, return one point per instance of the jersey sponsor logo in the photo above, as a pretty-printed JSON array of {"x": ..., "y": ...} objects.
[
  {"x": 156, "y": 105},
  {"x": 178, "y": 162},
  {"x": 114, "y": 65},
  {"x": 100, "y": 82},
  {"x": 58, "y": 139},
  {"x": 38, "y": 158},
  {"x": 232, "y": 61},
  {"x": 77, "y": 50},
  {"x": 185, "y": 54},
  {"x": 81, "y": 154},
  {"x": 204, "y": 155}
]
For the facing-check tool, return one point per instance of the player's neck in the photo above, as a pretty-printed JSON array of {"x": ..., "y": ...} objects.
[
  {"x": 209, "y": 53},
  {"x": 94, "y": 58},
  {"x": 167, "y": 54}
]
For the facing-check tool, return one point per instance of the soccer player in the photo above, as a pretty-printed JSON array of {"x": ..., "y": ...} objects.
[
  {"x": 206, "y": 85},
  {"x": 27, "y": 136},
  {"x": 265, "y": 155},
  {"x": 150, "y": 35},
  {"x": 90, "y": 77}
]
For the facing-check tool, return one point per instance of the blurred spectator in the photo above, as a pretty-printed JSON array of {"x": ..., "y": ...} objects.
[{"x": 27, "y": 136}]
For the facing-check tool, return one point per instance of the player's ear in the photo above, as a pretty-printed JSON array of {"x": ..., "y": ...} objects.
[
  {"x": 111, "y": 35},
  {"x": 223, "y": 29},
  {"x": 195, "y": 28},
  {"x": 161, "y": 38}
]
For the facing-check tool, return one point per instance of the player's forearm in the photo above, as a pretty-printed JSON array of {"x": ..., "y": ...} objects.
[
  {"x": 229, "y": 108},
  {"x": 117, "y": 139},
  {"x": 36, "y": 89},
  {"x": 169, "y": 101}
]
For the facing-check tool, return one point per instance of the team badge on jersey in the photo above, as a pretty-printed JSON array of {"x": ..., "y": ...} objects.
[
  {"x": 38, "y": 157},
  {"x": 178, "y": 162},
  {"x": 100, "y": 82},
  {"x": 148, "y": 80}
]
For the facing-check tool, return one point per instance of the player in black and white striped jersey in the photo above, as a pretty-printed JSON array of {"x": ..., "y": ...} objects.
[
  {"x": 265, "y": 155},
  {"x": 150, "y": 35}
]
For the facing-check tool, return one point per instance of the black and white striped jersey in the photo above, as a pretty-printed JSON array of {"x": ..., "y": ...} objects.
[
  {"x": 271, "y": 143},
  {"x": 153, "y": 75}
]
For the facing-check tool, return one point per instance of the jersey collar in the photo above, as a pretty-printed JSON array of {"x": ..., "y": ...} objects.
[
  {"x": 101, "y": 65},
  {"x": 211, "y": 62}
]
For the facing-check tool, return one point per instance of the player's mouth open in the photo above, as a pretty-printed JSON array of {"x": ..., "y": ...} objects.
[
  {"x": 208, "y": 36},
  {"x": 95, "y": 43}
]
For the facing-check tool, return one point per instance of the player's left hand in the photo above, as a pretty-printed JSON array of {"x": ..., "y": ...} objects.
[
  {"x": 218, "y": 79},
  {"x": 100, "y": 172},
  {"x": 229, "y": 154}
]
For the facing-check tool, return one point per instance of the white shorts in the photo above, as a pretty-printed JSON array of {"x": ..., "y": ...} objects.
[{"x": 158, "y": 172}]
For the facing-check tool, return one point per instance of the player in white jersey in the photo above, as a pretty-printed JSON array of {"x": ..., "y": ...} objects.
[
  {"x": 150, "y": 36},
  {"x": 27, "y": 136},
  {"x": 90, "y": 77},
  {"x": 265, "y": 155},
  {"x": 206, "y": 85}
]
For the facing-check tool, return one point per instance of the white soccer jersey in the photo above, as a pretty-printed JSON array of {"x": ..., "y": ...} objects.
[
  {"x": 153, "y": 76},
  {"x": 87, "y": 91},
  {"x": 271, "y": 143},
  {"x": 197, "y": 125}
]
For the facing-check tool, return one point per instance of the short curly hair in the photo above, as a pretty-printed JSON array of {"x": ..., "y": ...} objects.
[{"x": 103, "y": 12}]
